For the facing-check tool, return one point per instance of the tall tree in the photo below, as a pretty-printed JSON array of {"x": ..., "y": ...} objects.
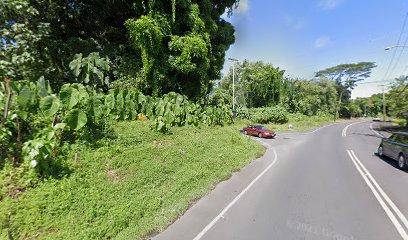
[
  {"x": 310, "y": 97},
  {"x": 40, "y": 37},
  {"x": 258, "y": 84},
  {"x": 346, "y": 76},
  {"x": 157, "y": 45},
  {"x": 182, "y": 44},
  {"x": 398, "y": 97}
]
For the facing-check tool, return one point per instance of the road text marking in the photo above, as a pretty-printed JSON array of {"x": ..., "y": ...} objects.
[
  {"x": 378, "y": 193},
  {"x": 212, "y": 223}
]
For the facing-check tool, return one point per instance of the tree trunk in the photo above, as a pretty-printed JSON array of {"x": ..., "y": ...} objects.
[{"x": 7, "y": 107}]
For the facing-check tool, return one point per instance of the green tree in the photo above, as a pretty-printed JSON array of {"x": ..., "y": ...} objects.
[
  {"x": 258, "y": 84},
  {"x": 182, "y": 44},
  {"x": 398, "y": 97},
  {"x": 310, "y": 97},
  {"x": 346, "y": 76},
  {"x": 22, "y": 33},
  {"x": 40, "y": 38},
  {"x": 157, "y": 46},
  {"x": 355, "y": 109}
]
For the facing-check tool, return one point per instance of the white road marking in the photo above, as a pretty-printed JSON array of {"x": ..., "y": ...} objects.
[
  {"x": 315, "y": 130},
  {"x": 390, "y": 202},
  {"x": 377, "y": 190},
  {"x": 221, "y": 214},
  {"x": 372, "y": 129},
  {"x": 344, "y": 132}
]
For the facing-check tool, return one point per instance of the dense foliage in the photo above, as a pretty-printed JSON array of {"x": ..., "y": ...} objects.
[
  {"x": 265, "y": 115},
  {"x": 398, "y": 97},
  {"x": 396, "y": 101},
  {"x": 105, "y": 61},
  {"x": 127, "y": 187},
  {"x": 263, "y": 85},
  {"x": 38, "y": 123},
  {"x": 346, "y": 77},
  {"x": 156, "y": 46},
  {"x": 257, "y": 84}
]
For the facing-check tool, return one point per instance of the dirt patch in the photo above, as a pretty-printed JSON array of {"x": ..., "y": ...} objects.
[{"x": 113, "y": 176}]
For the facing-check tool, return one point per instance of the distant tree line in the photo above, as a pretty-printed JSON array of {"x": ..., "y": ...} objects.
[
  {"x": 396, "y": 101},
  {"x": 261, "y": 84}
]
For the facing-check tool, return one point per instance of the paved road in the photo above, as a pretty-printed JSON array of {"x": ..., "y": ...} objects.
[{"x": 325, "y": 184}]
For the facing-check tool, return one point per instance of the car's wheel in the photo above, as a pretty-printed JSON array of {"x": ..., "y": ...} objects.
[
  {"x": 401, "y": 162},
  {"x": 245, "y": 132},
  {"x": 260, "y": 135},
  {"x": 380, "y": 151}
]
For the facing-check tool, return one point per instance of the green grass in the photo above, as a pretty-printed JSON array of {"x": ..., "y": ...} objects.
[
  {"x": 130, "y": 187},
  {"x": 299, "y": 124}
]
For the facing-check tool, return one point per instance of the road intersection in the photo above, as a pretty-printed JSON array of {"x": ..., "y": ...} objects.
[{"x": 324, "y": 184}]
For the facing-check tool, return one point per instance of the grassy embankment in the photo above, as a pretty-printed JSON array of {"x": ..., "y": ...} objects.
[
  {"x": 299, "y": 123},
  {"x": 135, "y": 184},
  {"x": 129, "y": 187}
]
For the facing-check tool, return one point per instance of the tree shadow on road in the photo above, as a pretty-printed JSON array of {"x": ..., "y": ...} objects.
[{"x": 367, "y": 135}]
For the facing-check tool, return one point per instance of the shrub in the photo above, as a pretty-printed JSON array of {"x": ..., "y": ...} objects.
[{"x": 264, "y": 115}]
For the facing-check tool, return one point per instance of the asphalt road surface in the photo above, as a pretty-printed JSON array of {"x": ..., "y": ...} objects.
[{"x": 324, "y": 184}]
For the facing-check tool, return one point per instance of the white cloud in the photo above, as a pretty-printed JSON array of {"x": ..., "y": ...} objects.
[
  {"x": 329, "y": 4},
  {"x": 243, "y": 7},
  {"x": 322, "y": 42}
]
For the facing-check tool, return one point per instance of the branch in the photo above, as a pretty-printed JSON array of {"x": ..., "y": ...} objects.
[{"x": 406, "y": 86}]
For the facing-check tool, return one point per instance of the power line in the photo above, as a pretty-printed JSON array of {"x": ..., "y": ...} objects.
[
  {"x": 376, "y": 82},
  {"x": 395, "y": 50},
  {"x": 399, "y": 56}
]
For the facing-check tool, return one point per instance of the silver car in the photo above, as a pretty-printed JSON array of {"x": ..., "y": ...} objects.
[{"x": 395, "y": 147}]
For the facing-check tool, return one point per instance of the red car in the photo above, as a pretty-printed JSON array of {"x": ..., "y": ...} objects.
[{"x": 260, "y": 131}]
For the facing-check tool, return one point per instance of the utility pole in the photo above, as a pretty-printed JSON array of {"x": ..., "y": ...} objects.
[
  {"x": 384, "y": 105},
  {"x": 233, "y": 85}
]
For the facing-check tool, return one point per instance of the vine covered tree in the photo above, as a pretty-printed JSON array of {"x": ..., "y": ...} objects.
[
  {"x": 182, "y": 44},
  {"x": 157, "y": 46}
]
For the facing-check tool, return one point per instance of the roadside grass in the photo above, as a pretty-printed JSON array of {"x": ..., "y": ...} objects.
[
  {"x": 299, "y": 124},
  {"x": 129, "y": 187}
]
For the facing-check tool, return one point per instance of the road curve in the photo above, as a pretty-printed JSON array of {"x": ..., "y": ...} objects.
[{"x": 326, "y": 184}]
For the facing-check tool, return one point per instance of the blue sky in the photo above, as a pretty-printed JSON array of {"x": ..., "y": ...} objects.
[{"x": 304, "y": 36}]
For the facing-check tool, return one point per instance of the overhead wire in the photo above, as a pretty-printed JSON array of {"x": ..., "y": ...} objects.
[
  {"x": 399, "y": 56},
  {"x": 395, "y": 50}
]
